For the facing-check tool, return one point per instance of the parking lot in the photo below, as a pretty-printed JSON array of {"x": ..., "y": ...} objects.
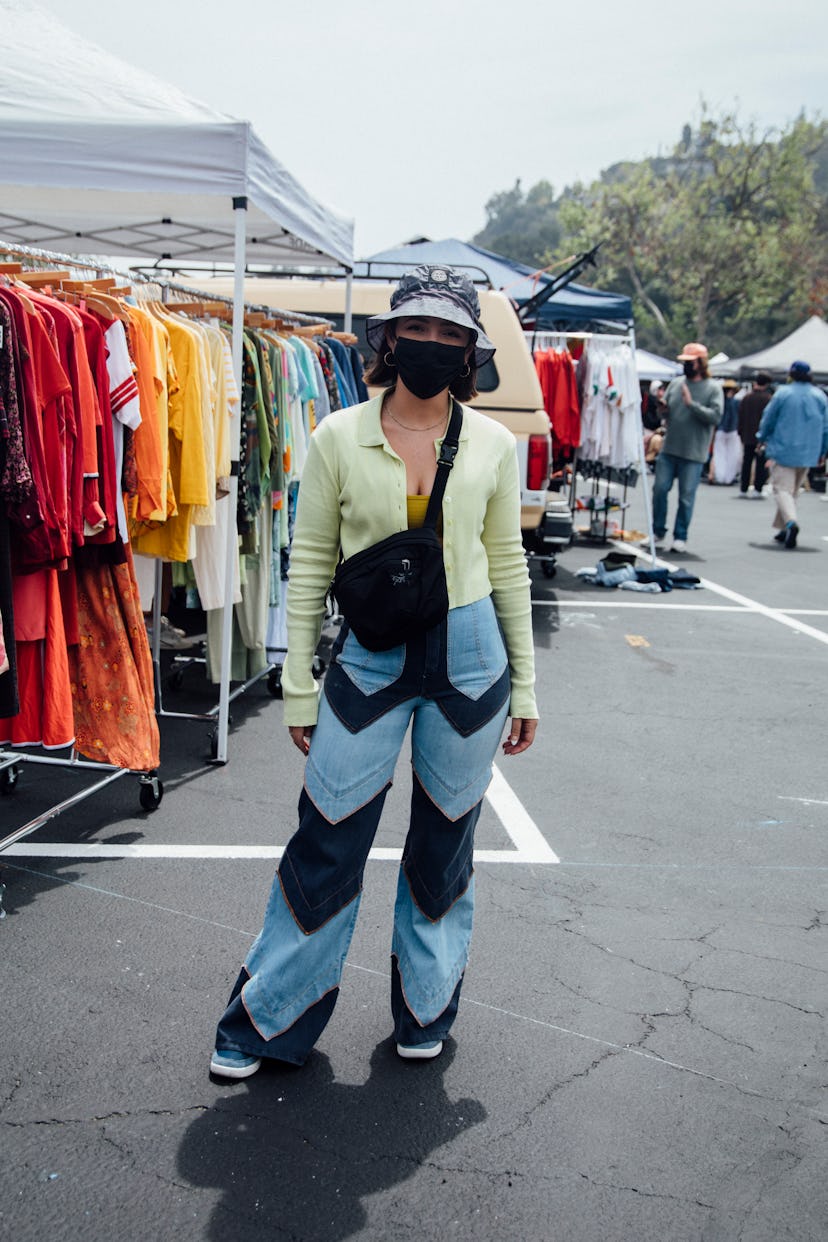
[{"x": 640, "y": 1051}]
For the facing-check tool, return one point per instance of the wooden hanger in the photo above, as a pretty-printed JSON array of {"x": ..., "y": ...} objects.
[
  {"x": 38, "y": 280},
  {"x": 104, "y": 301},
  {"x": 10, "y": 269},
  {"x": 311, "y": 329},
  {"x": 187, "y": 308},
  {"x": 11, "y": 283},
  {"x": 104, "y": 284}
]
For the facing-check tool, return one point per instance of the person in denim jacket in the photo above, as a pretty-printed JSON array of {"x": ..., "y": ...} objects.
[
  {"x": 369, "y": 473},
  {"x": 794, "y": 433}
]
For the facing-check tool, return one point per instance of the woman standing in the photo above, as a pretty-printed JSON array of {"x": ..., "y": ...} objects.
[{"x": 369, "y": 473}]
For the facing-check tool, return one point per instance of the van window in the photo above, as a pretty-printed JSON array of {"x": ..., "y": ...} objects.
[{"x": 487, "y": 377}]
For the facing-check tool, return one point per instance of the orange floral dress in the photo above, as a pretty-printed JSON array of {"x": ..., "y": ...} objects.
[{"x": 111, "y": 670}]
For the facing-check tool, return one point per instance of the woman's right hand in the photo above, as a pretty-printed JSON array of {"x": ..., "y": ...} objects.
[{"x": 300, "y": 735}]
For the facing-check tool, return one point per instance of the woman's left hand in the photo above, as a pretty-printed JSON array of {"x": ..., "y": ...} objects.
[{"x": 521, "y": 736}]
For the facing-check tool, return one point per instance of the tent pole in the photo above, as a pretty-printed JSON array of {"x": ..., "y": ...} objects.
[
  {"x": 349, "y": 289},
  {"x": 645, "y": 483},
  {"x": 231, "y": 547}
]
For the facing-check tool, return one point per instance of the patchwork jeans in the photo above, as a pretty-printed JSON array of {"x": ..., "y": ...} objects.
[{"x": 451, "y": 686}]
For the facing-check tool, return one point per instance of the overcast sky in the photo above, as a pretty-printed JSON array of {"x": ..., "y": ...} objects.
[{"x": 408, "y": 117}]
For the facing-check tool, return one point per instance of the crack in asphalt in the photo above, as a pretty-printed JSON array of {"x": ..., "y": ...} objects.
[
  {"x": 101, "y": 1120},
  {"x": 645, "y": 1194}
]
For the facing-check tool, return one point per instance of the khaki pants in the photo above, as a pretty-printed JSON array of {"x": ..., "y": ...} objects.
[{"x": 786, "y": 482}]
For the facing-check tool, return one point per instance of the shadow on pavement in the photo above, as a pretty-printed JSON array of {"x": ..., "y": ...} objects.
[
  {"x": 778, "y": 547},
  {"x": 294, "y": 1152}
]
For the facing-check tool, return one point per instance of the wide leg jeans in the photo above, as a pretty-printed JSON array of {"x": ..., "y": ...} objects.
[{"x": 451, "y": 687}]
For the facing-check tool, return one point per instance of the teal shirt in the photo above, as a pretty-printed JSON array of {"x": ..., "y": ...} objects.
[
  {"x": 353, "y": 493},
  {"x": 690, "y": 427}
]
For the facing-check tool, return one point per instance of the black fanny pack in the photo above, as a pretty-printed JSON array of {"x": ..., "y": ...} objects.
[{"x": 396, "y": 589}]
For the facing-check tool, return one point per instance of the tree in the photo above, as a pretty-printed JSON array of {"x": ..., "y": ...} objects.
[
  {"x": 721, "y": 242},
  {"x": 523, "y": 227}
]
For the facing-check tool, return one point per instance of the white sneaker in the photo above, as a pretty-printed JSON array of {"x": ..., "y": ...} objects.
[
  {"x": 679, "y": 545},
  {"x": 420, "y": 1052}
]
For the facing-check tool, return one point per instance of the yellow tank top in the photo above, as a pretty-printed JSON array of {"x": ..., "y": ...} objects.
[{"x": 416, "y": 508}]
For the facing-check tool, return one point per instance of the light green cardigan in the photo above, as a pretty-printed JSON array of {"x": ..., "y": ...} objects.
[{"x": 353, "y": 493}]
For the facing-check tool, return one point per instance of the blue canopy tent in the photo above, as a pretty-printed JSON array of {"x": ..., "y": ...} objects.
[{"x": 576, "y": 306}]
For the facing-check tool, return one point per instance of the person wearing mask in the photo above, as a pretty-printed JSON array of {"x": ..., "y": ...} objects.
[
  {"x": 694, "y": 407},
  {"x": 369, "y": 472},
  {"x": 751, "y": 408},
  {"x": 794, "y": 433}
]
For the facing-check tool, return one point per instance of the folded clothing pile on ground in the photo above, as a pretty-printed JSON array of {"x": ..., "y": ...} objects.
[{"x": 617, "y": 569}]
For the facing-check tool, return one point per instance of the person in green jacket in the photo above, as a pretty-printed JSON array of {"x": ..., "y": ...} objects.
[
  {"x": 695, "y": 404},
  {"x": 369, "y": 474}
]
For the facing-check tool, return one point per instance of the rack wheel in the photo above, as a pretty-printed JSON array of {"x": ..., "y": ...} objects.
[
  {"x": 176, "y": 679},
  {"x": 150, "y": 793},
  {"x": 274, "y": 683},
  {"x": 549, "y": 568},
  {"x": 9, "y": 778}
]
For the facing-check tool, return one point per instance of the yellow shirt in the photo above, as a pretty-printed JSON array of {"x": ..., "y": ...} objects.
[
  {"x": 415, "y": 510},
  {"x": 353, "y": 493},
  {"x": 188, "y": 463}
]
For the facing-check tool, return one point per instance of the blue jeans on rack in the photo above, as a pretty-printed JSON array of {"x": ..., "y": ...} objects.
[
  {"x": 668, "y": 470},
  {"x": 451, "y": 687}
]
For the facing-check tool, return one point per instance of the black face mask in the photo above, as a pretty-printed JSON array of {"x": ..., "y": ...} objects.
[
  {"x": 690, "y": 369},
  {"x": 428, "y": 367}
]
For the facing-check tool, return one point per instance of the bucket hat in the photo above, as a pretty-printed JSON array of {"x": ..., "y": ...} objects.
[{"x": 441, "y": 292}]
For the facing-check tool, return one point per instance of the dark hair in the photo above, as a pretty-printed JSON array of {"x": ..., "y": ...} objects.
[
  {"x": 704, "y": 369},
  {"x": 763, "y": 379},
  {"x": 380, "y": 375}
]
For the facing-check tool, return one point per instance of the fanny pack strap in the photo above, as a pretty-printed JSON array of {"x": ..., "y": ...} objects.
[{"x": 448, "y": 452}]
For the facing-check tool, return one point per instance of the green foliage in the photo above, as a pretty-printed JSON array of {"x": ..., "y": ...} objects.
[
  {"x": 521, "y": 226},
  {"x": 722, "y": 241}
]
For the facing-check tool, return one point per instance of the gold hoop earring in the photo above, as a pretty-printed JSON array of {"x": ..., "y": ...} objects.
[{"x": 389, "y": 359}]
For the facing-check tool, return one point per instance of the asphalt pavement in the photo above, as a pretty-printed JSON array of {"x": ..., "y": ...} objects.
[{"x": 640, "y": 1051}]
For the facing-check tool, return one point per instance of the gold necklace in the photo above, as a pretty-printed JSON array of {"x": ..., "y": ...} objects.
[{"x": 406, "y": 427}]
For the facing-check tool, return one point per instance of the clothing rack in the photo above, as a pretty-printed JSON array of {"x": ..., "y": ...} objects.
[
  {"x": 558, "y": 340},
  {"x": 150, "y": 786}
]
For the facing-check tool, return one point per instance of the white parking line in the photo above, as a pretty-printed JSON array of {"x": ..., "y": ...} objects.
[
  {"x": 530, "y": 844},
  {"x": 751, "y": 605},
  {"x": 773, "y": 614},
  {"x": 650, "y": 602}
]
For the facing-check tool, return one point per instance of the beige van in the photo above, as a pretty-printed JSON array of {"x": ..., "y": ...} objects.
[{"x": 508, "y": 386}]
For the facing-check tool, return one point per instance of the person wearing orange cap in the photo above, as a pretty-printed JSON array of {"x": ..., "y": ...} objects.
[{"x": 695, "y": 404}]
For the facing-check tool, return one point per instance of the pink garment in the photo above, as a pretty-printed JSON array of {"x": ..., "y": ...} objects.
[{"x": 4, "y": 655}]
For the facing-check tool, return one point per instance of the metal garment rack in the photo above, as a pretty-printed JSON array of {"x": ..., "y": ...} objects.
[
  {"x": 558, "y": 339},
  {"x": 150, "y": 786}
]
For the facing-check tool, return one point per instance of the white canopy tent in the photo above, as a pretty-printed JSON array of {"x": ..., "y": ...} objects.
[
  {"x": 654, "y": 367},
  {"x": 100, "y": 158},
  {"x": 807, "y": 343}
]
